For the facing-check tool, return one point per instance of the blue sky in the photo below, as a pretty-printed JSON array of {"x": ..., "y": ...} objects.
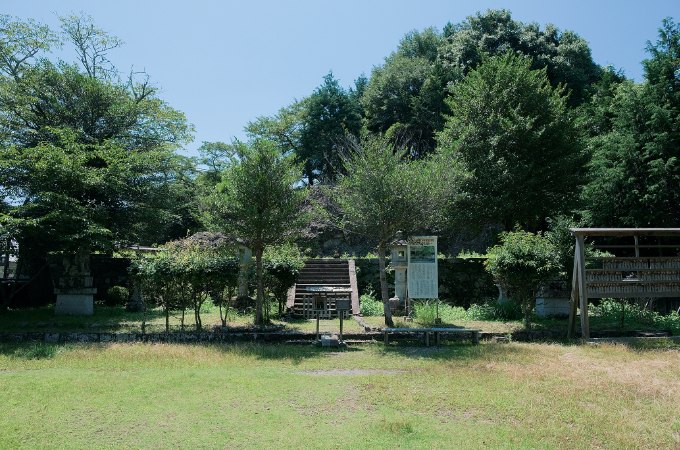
[{"x": 225, "y": 63}]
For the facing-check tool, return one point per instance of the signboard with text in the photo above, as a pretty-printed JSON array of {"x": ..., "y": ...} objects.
[{"x": 422, "y": 267}]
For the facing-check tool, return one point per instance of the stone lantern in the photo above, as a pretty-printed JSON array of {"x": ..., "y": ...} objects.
[{"x": 399, "y": 264}]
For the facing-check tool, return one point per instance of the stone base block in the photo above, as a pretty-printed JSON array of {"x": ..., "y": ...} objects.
[
  {"x": 76, "y": 304},
  {"x": 552, "y": 306},
  {"x": 329, "y": 341}
]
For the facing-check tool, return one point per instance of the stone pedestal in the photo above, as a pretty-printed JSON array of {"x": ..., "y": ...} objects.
[
  {"x": 399, "y": 263},
  {"x": 78, "y": 302}
]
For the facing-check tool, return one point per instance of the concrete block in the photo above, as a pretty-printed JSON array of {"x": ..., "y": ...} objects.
[
  {"x": 51, "y": 337},
  {"x": 329, "y": 341},
  {"x": 550, "y": 306},
  {"x": 76, "y": 304}
]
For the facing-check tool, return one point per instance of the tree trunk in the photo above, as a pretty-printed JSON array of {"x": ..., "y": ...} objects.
[
  {"x": 258, "y": 302},
  {"x": 383, "y": 286},
  {"x": 527, "y": 314}
]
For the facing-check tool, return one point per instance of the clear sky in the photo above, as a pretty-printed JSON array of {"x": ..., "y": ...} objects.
[{"x": 223, "y": 63}]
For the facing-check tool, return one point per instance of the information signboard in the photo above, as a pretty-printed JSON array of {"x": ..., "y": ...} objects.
[{"x": 422, "y": 267}]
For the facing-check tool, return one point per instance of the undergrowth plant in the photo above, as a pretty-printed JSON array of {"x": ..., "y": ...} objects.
[{"x": 369, "y": 305}]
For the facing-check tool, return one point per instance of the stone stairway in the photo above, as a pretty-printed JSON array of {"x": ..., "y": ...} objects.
[{"x": 335, "y": 273}]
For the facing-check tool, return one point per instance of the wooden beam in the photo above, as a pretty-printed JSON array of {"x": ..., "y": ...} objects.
[
  {"x": 583, "y": 290},
  {"x": 625, "y": 231},
  {"x": 573, "y": 301}
]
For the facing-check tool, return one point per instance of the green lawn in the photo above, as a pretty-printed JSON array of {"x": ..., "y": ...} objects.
[{"x": 261, "y": 396}]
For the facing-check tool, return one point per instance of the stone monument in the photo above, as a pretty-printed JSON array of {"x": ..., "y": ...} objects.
[{"x": 75, "y": 294}]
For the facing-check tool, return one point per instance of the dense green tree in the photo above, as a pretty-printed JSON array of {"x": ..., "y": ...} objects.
[
  {"x": 87, "y": 159},
  {"x": 405, "y": 96},
  {"x": 635, "y": 171},
  {"x": 385, "y": 194},
  {"x": 310, "y": 128},
  {"x": 258, "y": 202},
  {"x": 512, "y": 133},
  {"x": 330, "y": 113},
  {"x": 214, "y": 156}
]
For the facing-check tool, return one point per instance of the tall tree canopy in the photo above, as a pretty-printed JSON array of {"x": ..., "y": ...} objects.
[
  {"x": 258, "y": 202},
  {"x": 311, "y": 128},
  {"x": 635, "y": 171},
  {"x": 405, "y": 96},
  {"x": 87, "y": 158},
  {"x": 511, "y": 132},
  {"x": 384, "y": 194}
]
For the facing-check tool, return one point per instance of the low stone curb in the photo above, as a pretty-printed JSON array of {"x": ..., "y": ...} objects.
[{"x": 262, "y": 336}]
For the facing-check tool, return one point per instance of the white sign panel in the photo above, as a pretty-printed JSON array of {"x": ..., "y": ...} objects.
[{"x": 422, "y": 267}]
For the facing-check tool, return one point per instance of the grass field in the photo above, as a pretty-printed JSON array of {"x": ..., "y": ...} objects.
[{"x": 259, "y": 396}]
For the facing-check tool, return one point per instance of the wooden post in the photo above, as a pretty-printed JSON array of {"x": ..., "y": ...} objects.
[
  {"x": 574, "y": 300},
  {"x": 583, "y": 290}
]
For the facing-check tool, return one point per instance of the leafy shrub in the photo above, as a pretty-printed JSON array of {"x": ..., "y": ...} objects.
[
  {"x": 494, "y": 310},
  {"x": 369, "y": 306},
  {"x": 610, "y": 310},
  {"x": 117, "y": 295},
  {"x": 523, "y": 264},
  {"x": 282, "y": 265},
  {"x": 185, "y": 275},
  {"x": 425, "y": 312}
]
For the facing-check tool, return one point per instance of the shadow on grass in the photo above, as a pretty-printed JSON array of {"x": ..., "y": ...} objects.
[{"x": 31, "y": 350}]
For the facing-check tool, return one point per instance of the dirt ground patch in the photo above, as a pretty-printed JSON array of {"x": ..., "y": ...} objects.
[{"x": 343, "y": 372}]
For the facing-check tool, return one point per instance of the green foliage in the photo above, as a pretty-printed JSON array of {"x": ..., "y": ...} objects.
[
  {"x": 405, "y": 97},
  {"x": 117, "y": 295},
  {"x": 331, "y": 112},
  {"x": 505, "y": 311},
  {"x": 90, "y": 156},
  {"x": 257, "y": 201},
  {"x": 611, "y": 311},
  {"x": 281, "y": 269},
  {"x": 185, "y": 275},
  {"x": 635, "y": 170},
  {"x": 425, "y": 312},
  {"x": 523, "y": 264},
  {"x": 369, "y": 306},
  {"x": 511, "y": 133},
  {"x": 384, "y": 193},
  {"x": 312, "y": 128}
]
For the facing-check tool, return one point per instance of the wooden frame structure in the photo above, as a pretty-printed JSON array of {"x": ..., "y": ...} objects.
[{"x": 657, "y": 276}]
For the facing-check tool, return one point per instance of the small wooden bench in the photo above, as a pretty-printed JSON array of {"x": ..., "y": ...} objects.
[{"x": 426, "y": 332}]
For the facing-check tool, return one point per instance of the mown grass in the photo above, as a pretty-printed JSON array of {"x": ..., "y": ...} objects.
[{"x": 262, "y": 396}]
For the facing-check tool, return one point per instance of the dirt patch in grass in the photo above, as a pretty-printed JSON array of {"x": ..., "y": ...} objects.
[{"x": 344, "y": 372}]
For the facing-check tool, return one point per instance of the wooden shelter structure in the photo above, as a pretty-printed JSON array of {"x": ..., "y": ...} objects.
[{"x": 637, "y": 274}]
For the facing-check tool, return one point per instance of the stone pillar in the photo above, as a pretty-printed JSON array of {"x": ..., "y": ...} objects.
[
  {"x": 75, "y": 294},
  {"x": 399, "y": 263},
  {"x": 246, "y": 260},
  {"x": 502, "y": 294}
]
